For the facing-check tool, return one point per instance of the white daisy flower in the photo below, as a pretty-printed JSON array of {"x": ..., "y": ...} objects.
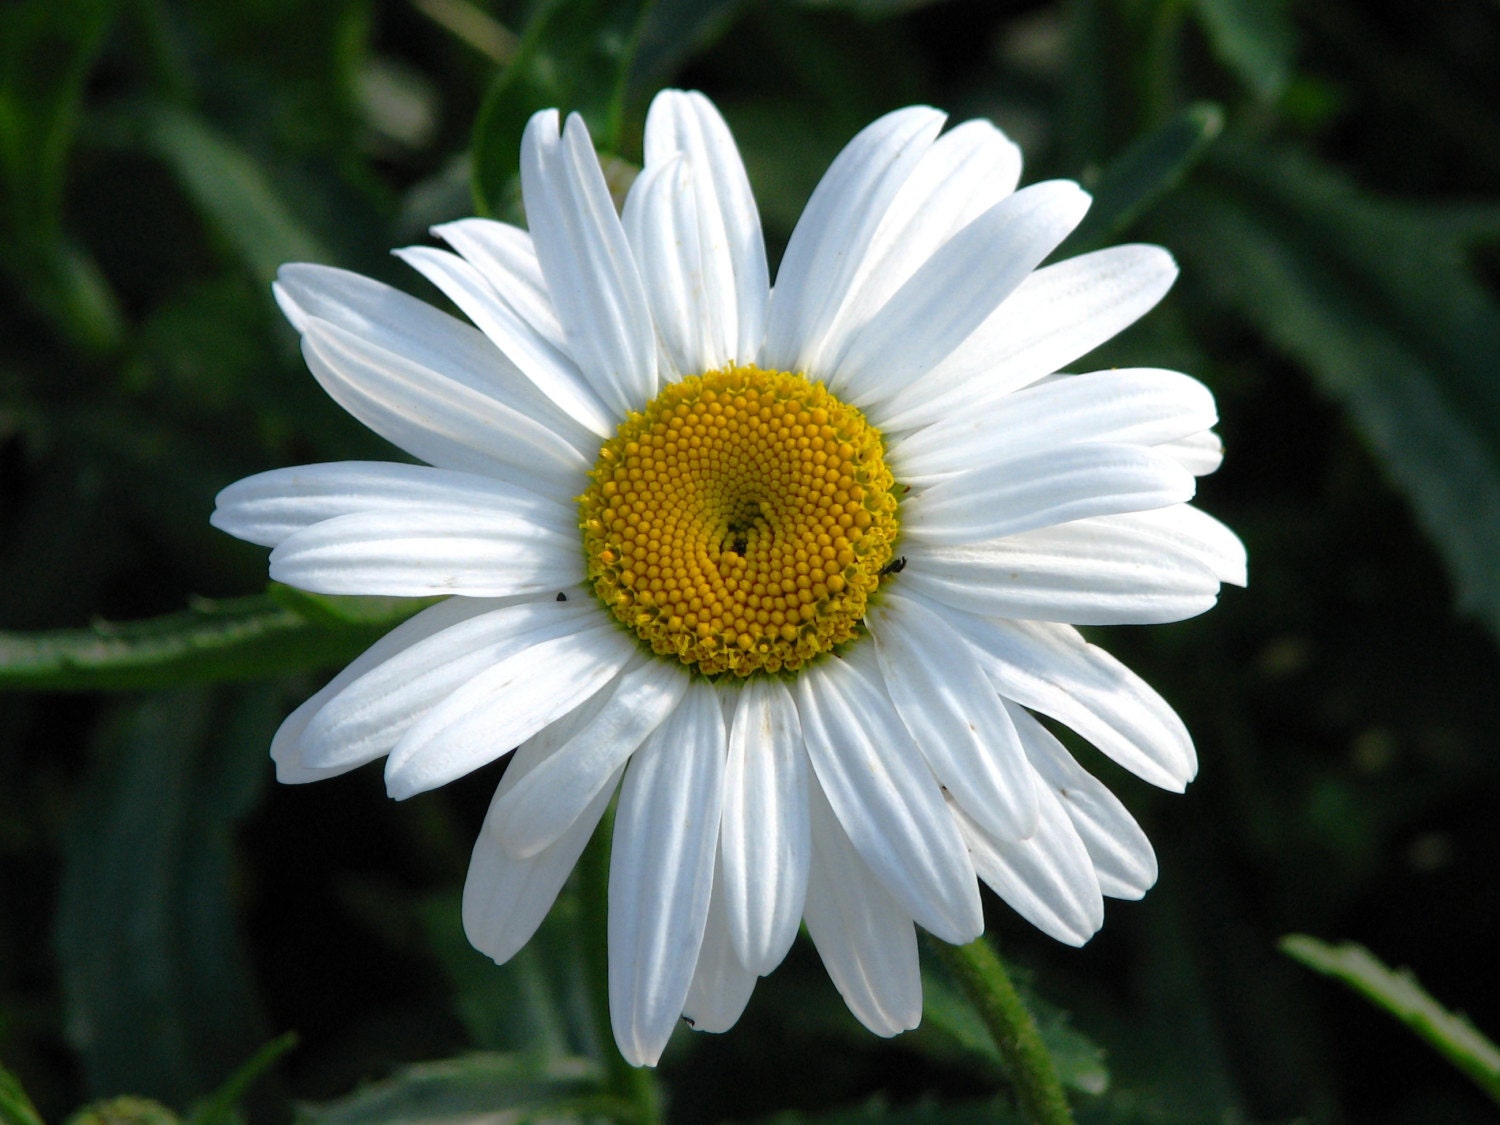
[{"x": 786, "y": 573}]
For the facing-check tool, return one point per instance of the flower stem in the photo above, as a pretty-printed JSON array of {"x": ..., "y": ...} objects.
[
  {"x": 980, "y": 972},
  {"x": 633, "y": 1085}
]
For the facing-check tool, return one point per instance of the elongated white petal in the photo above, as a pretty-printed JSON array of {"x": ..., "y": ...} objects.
[
  {"x": 834, "y": 233},
  {"x": 289, "y": 748},
  {"x": 438, "y": 419},
  {"x": 1056, "y": 315},
  {"x": 866, "y": 940},
  {"x": 953, "y": 713},
  {"x": 1042, "y": 489},
  {"x": 721, "y": 985},
  {"x": 506, "y": 897},
  {"x": 964, "y": 173},
  {"x": 1051, "y": 669},
  {"x": 1122, "y": 856},
  {"x": 400, "y": 324},
  {"x": 367, "y": 717},
  {"x": 687, "y": 123},
  {"x": 953, "y": 292},
  {"x": 661, "y": 872},
  {"x": 1200, "y": 454},
  {"x": 426, "y": 551},
  {"x": 591, "y": 274},
  {"x": 887, "y": 799},
  {"x": 684, "y": 266},
  {"x": 764, "y": 842},
  {"x": 268, "y": 507},
  {"x": 1090, "y": 572},
  {"x": 1136, "y": 406},
  {"x": 1189, "y": 531},
  {"x": 506, "y": 257},
  {"x": 1048, "y": 878},
  {"x": 503, "y": 706},
  {"x": 525, "y": 335},
  {"x": 537, "y": 809}
]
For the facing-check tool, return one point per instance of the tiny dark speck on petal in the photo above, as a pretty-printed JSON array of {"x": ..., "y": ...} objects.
[{"x": 562, "y": 597}]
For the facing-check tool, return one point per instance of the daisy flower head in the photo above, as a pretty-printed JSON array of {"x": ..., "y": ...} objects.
[{"x": 788, "y": 574}]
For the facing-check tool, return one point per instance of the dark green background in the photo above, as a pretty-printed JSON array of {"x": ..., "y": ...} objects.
[{"x": 165, "y": 909}]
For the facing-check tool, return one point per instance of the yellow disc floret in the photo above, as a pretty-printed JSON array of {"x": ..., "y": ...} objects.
[{"x": 741, "y": 521}]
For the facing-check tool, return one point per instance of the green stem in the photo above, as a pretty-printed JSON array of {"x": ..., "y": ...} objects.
[
  {"x": 980, "y": 972},
  {"x": 634, "y": 1085}
]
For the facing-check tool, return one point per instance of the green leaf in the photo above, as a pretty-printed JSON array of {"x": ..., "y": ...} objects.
[
  {"x": 925, "y": 1112},
  {"x": 157, "y": 985},
  {"x": 1145, "y": 172},
  {"x": 222, "y": 1106},
  {"x": 474, "y": 1088},
  {"x": 1254, "y": 38},
  {"x": 575, "y": 55},
  {"x": 233, "y": 195},
  {"x": 1377, "y": 299},
  {"x": 249, "y": 638},
  {"x": 15, "y": 1106},
  {"x": 1398, "y": 992}
]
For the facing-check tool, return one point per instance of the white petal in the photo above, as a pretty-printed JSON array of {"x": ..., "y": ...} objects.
[
  {"x": 535, "y": 811},
  {"x": 1051, "y": 669},
  {"x": 887, "y": 799},
  {"x": 1121, "y": 854},
  {"x": 371, "y": 713},
  {"x": 688, "y": 277},
  {"x": 964, "y": 173},
  {"x": 1037, "y": 490},
  {"x": 1056, "y": 315},
  {"x": 953, "y": 713},
  {"x": 506, "y": 898},
  {"x": 437, "y": 418},
  {"x": 866, "y": 940},
  {"x": 524, "y": 334},
  {"x": 1189, "y": 531},
  {"x": 688, "y": 123},
  {"x": 1136, "y": 406},
  {"x": 426, "y": 551},
  {"x": 764, "y": 843},
  {"x": 268, "y": 507},
  {"x": 953, "y": 292},
  {"x": 1104, "y": 571},
  {"x": 503, "y": 706},
  {"x": 661, "y": 872},
  {"x": 721, "y": 985},
  {"x": 1048, "y": 878},
  {"x": 395, "y": 322},
  {"x": 289, "y": 749},
  {"x": 836, "y": 231},
  {"x": 1200, "y": 454},
  {"x": 591, "y": 275}
]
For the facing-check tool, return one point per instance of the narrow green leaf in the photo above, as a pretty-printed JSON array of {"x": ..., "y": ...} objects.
[
  {"x": 474, "y": 1088},
  {"x": 1145, "y": 172},
  {"x": 1398, "y": 992},
  {"x": 237, "y": 639},
  {"x": 1254, "y": 38},
  {"x": 575, "y": 55},
  {"x": 15, "y": 1106},
  {"x": 157, "y": 984},
  {"x": 1378, "y": 300},
  {"x": 232, "y": 193},
  {"x": 223, "y": 1105}
]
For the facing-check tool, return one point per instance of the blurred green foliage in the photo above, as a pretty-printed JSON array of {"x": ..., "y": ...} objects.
[{"x": 1328, "y": 173}]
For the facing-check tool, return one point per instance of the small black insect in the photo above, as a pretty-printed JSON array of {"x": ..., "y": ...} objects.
[
  {"x": 895, "y": 566},
  {"x": 562, "y": 597}
]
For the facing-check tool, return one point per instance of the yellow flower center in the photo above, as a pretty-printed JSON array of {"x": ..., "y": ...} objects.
[{"x": 741, "y": 521}]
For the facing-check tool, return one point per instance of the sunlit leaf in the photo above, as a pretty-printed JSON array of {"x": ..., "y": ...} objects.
[
  {"x": 15, "y": 1106},
  {"x": 574, "y": 56},
  {"x": 1398, "y": 992},
  {"x": 235, "y": 639}
]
